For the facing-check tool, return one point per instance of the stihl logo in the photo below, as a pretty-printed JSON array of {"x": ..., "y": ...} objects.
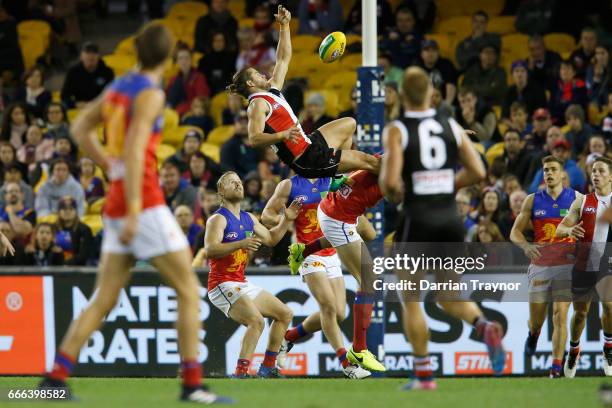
[
  {"x": 6, "y": 342},
  {"x": 478, "y": 363},
  {"x": 295, "y": 364}
]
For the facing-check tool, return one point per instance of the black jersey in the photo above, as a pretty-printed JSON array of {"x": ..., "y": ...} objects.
[{"x": 430, "y": 142}]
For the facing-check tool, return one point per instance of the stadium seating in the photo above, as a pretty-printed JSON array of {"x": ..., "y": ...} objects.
[
  {"x": 188, "y": 10},
  {"x": 217, "y": 104},
  {"x": 305, "y": 43},
  {"x": 453, "y": 8},
  {"x": 94, "y": 222},
  {"x": 163, "y": 152},
  {"x": 246, "y": 23},
  {"x": 126, "y": 46},
  {"x": 342, "y": 83},
  {"x": 212, "y": 151},
  {"x": 171, "y": 120},
  {"x": 237, "y": 8},
  {"x": 445, "y": 45},
  {"x": 175, "y": 136},
  {"x": 220, "y": 135},
  {"x": 352, "y": 38},
  {"x": 303, "y": 65},
  {"x": 502, "y": 25},
  {"x": 34, "y": 40},
  {"x": 119, "y": 63},
  {"x": 560, "y": 42},
  {"x": 72, "y": 114},
  {"x": 96, "y": 207},
  {"x": 331, "y": 100},
  {"x": 494, "y": 152},
  {"x": 350, "y": 61},
  {"x": 456, "y": 29}
]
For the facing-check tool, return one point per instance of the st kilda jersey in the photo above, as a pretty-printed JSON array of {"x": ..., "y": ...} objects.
[
  {"x": 280, "y": 117},
  {"x": 430, "y": 142}
]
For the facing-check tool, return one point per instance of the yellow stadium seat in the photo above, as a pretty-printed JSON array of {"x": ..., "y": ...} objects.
[
  {"x": 502, "y": 25},
  {"x": 34, "y": 39},
  {"x": 560, "y": 42},
  {"x": 341, "y": 81},
  {"x": 491, "y": 7},
  {"x": 479, "y": 147},
  {"x": 220, "y": 135},
  {"x": 126, "y": 46},
  {"x": 331, "y": 100},
  {"x": 346, "y": 6},
  {"x": 237, "y": 8},
  {"x": 307, "y": 43},
  {"x": 350, "y": 61},
  {"x": 94, "y": 222},
  {"x": 515, "y": 43},
  {"x": 445, "y": 44},
  {"x": 217, "y": 104},
  {"x": 494, "y": 152},
  {"x": 246, "y": 23},
  {"x": 188, "y": 10},
  {"x": 119, "y": 63},
  {"x": 456, "y": 28},
  {"x": 498, "y": 111},
  {"x": 163, "y": 152},
  {"x": 51, "y": 219},
  {"x": 56, "y": 96},
  {"x": 171, "y": 120},
  {"x": 96, "y": 207},
  {"x": 305, "y": 64},
  {"x": 294, "y": 26},
  {"x": 449, "y": 8},
  {"x": 175, "y": 136},
  {"x": 72, "y": 114},
  {"x": 352, "y": 38},
  {"x": 212, "y": 151}
]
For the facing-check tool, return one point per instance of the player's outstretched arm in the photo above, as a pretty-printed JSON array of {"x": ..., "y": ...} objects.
[
  {"x": 273, "y": 212},
  {"x": 283, "y": 50},
  {"x": 569, "y": 226},
  {"x": 83, "y": 131},
  {"x": 521, "y": 224},
  {"x": 213, "y": 239},
  {"x": 257, "y": 112},
  {"x": 473, "y": 169},
  {"x": 390, "y": 177},
  {"x": 271, "y": 237}
]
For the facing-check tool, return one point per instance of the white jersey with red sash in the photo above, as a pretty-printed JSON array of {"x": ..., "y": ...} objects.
[
  {"x": 280, "y": 117},
  {"x": 595, "y": 231}
]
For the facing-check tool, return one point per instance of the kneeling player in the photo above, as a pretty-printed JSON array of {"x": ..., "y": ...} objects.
[
  {"x": 230, "y": 235},
  {"x": 321, "y": 271},
  {"x": 337, "y": 215}
]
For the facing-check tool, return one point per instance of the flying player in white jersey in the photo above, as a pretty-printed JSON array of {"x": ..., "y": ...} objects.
[
  {"x": 273, "y": 123},
  {"x": 588, "y": 224}
]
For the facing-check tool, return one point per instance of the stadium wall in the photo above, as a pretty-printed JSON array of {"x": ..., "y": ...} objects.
[{"x": 138, "y": 338}]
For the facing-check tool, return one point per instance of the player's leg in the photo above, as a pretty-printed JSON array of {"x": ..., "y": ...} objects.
[
  {"x": 339, "y": 133},
  {"x": 245, "y": 312},
  {"x": 537, "y": 317},
  {"x": 576, "y": 327},
  {"x": 270, "y": 306},
  {"x": 175, "y": 270},
  {"x": 606, "y": 325},
  {"x": 357, "y": 260},
  {"x": 559, "y": 336},
  {"x": 114, "y": 273},
  {"x": 352, "y": 160}
]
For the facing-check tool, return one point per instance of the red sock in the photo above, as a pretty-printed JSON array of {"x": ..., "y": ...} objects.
[
  {"x": 242, "y": 367},
  {"x": 192, "y": 373},
  {"x": 341, "y": 353},
  {"x": 295, "y": 333},
  {"x": 422, "y": 368},
  {"x": 62, "y": 366},
  {"x": 311, "y": 248},
  {"x": 362, "y": 314},
  {"x": 269, "y": 359}
]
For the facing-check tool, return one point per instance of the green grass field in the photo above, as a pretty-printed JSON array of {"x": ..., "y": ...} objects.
[{"x": 324, "y": 393}]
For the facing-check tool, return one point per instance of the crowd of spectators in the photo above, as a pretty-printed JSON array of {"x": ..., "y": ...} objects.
[{"x": 549, "y": 104}]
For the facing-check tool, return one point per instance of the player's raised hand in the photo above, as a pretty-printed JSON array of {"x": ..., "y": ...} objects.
[
  {"x": 577, "y": 231},
  {"x": 293, "y": 210},
  {"x": 532, "y": 252},
  {"x": 283, "y": 16},
  {"x": 292, "y": 134},
  {"x": 6, "y": 246},
  {"x": 251, "y": 243}
]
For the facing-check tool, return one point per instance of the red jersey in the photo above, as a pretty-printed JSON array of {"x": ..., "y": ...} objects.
[
  {"x": 596, "y": 231},
  {"x": 358, "y": 193},
  {"x": 280, "y": 118},
  {"x": 307, "y": 228},
  {"x": 230, "y": 268},
  {"x": 116, "y": 113}
]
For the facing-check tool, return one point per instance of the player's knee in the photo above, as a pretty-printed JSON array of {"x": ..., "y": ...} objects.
[
  {"x": 559, "y": 316},
  {"x": 350, "y": 125},
  {"x": 188, "y": 293},
  {"x": 328, "y": 308},
  {"x": 580, "y": 315},
  {"x": 340, "y": 315},
  {"x": 257, "y": 323},
  {"x": 285, "y": 315}
]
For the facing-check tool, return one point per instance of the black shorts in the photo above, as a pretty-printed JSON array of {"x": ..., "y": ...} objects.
[
  {"x": 411, "y": 229},
  {"x": 318, "y": 160},
  {"x": 584, "y": 282}
]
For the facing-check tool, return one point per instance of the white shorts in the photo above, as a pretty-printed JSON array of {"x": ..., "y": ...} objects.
[
  {"x": 330, "y": 265},
  {"x": 225, "y": 294},
  {"x": 543, "y": 279},
  {"x": 158, "y": 234},
  {"x": 338, "y": 233}
]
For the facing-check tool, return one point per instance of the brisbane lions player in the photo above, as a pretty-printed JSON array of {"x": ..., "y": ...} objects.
[
  {"x": 137, "y": 222},
  {"x": 587, "y": 222},
  {"x": 273, "y": 123}
]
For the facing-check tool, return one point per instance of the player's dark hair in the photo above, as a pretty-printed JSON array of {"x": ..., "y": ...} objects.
[
  {"x": 603, "y": 159},
  {"x": 239, "y": 82},
  {"x": 154, "y": 44},
  {"x": 553, "y": 159}
]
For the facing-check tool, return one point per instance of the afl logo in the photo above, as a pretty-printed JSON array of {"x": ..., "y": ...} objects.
[
  {"x": 539, "y": 213},
  {"x": 232, "y": 235},
  {"x": 13, "y": 301},
  {"x": 591, "y": 210},
  {"x": 301, "y": 198},
  {"x": 275, "y": 106}
]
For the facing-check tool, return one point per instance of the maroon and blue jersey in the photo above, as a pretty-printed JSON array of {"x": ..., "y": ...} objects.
[
  {"x": 546, "y": 214},
  {"x": 310, "y": 194},
  {"x": 230, "y": 268}
]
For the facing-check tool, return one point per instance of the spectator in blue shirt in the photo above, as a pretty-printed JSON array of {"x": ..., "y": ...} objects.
[{"x": 184, "y": 218}]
